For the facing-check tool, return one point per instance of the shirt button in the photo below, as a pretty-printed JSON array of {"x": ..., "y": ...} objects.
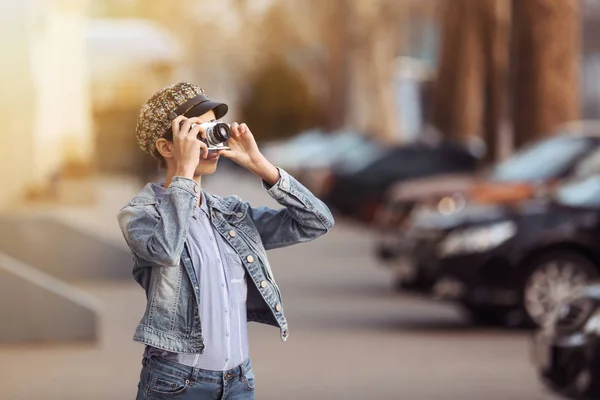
[
  {"x": 250, "y": 259},
  {"x": 225, "y": 311},
  {"x": 211, "y": 238},
  {"x": 232, "y": 233},
  {"x": 197, "y": 287},
  {"x": 227, "y": 334},
  {"x": 227, "y": 360},
  {"x": 278, "y": 307},
  {"x": 223, "y": 284},
  {"x": 263, "y": 284}
]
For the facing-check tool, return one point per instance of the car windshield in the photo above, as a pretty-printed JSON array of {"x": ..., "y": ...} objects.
[
  {"x": 580, "y": 193},
  {"x": 542, "y": 160},
  {"x": 360, "y": 157}
]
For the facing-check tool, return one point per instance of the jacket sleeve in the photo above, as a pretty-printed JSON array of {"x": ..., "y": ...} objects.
[
  {"x": 160, "y": 239},
  {"x": 303, "y": 218}
]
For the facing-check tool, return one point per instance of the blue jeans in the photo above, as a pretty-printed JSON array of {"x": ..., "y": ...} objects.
[{"x": 163, "y": 379}]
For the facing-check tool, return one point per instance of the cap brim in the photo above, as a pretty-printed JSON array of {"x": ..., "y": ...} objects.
[{"x": 220, "y": 109}]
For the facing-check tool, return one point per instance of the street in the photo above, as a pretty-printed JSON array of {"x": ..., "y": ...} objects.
[{"x": 351, "y": 337}]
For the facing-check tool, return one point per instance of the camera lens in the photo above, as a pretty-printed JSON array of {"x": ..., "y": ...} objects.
[{"x": 221, "y": 132}]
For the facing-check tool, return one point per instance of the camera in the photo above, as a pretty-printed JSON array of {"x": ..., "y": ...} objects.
[{"x": 217, "y": 134}]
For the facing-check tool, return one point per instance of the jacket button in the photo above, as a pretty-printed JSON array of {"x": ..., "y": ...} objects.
[
  {"x": 263, "y": 284},
  {"x": 278, "y": 307},
  {"x": 239, "y": 215},
  {"x": 284, "y": 184},
  {"x": 196, "y": 189},
  {"x": 250, "y": 259},
  {"x": 232, "y": 233}
]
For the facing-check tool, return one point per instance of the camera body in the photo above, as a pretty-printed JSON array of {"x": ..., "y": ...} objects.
[{"x": 217, "y": 134}]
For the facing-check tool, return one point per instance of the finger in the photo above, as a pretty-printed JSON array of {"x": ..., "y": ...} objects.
[
  {"x": 243, "y": 129},
  {"x": 196, "y": 120},
  {"x": 203, "y": 150},
  {"x": 185, "y": 128},
  {"x": 176, "y": 124},
  {"x": 201, "y": 129},
  {"x": 227, "y": 153},
  {"x": 235, "y": 129},
  {"x": 196, "y": 130}
]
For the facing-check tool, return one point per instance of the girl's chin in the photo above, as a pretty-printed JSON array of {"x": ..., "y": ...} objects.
[{"x": 205, "y": 169}]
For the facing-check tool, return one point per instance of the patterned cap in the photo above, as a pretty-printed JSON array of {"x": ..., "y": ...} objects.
[{"x": 156, "y": 115}]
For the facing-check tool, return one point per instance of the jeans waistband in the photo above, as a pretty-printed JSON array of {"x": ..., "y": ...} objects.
[{"x": 194, "y": 374}]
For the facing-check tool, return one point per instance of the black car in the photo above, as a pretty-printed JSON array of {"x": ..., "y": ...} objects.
[
  {"x": 530, "y": 171},
  {"x": 359, "y": 192},
  {"x": 511, "y": 263},
  {"x": 566, "y": 353}
]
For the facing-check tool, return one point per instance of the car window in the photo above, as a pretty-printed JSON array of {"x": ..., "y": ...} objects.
[
  {"x": 590, "y": 165},
  {"x": 543, "y": 160},
  {"x": 358, "y": 158},
  {"x": 580, "y": 193}
]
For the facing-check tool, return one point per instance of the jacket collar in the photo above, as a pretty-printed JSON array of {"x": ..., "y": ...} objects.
[{"x": 148, "y": 196}]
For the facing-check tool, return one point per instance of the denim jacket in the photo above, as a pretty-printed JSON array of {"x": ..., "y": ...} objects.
[{"x": 157, "y": 236}]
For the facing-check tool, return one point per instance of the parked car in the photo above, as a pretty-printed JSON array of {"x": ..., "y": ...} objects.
[
  {"x": 510, "y": 262},
  {"x": 357, "y": 189},
  {"x": 340, "y": 146},
  {"x": 566, "y": 353},
  {"x": 401, "y": 200},
  {"x": 290, "y": 152},
  {"x": 530, "y": 172}
]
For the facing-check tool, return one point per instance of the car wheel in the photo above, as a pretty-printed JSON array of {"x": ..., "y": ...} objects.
[{"x": 551, "y": 279}]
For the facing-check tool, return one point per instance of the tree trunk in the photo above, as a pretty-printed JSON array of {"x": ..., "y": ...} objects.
[
  {"x": 496, "y": 39},
  {"x": 546, "y": 39},
  {"x": 337, "y": 67},
  {"x": 458, "y": 95},
  {"x": 470, "y": 90}
]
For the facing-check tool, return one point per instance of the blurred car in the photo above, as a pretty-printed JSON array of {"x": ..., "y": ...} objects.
[
  {"x": 288, "y": 153},
  {"x": 313, "y": 150},
  {"x": 356, "y": 186},
  {"x": 532, "y": 171},
  {"x": 401, "y": 200},
  {"x": 510, "y": 262},
  {"x": 566, "y": 353}
]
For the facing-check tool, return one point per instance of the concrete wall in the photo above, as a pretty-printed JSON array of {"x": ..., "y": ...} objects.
[
  {"x": 61, "y": 251},
  {"x": 37, "y": 307}
]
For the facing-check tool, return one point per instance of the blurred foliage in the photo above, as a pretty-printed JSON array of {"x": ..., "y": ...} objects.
[{"x": 278, "y": 102}]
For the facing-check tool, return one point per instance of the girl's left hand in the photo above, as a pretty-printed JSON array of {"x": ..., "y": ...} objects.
[
  {"x": 243, "y": 150},
  {"x": 242, "y": 146}
]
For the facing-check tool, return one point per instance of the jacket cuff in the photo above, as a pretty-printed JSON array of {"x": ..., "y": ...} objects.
[{"x": 281, "y": 188}]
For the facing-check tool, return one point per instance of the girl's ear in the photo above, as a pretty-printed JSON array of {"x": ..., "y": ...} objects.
[{"x": 165, "y": 148}]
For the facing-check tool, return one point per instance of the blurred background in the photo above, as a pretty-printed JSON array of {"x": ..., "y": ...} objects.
[{"x": 456, "y": 141}]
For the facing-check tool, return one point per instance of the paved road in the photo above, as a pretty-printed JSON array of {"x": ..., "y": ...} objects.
[{"x": 351, "y": 337}]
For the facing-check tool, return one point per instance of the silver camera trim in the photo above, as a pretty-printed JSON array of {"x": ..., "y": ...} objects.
[{"x": 207, "y": 125}]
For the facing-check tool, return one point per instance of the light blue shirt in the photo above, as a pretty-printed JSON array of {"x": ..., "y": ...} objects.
[{"x": 223, "y": 289}]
